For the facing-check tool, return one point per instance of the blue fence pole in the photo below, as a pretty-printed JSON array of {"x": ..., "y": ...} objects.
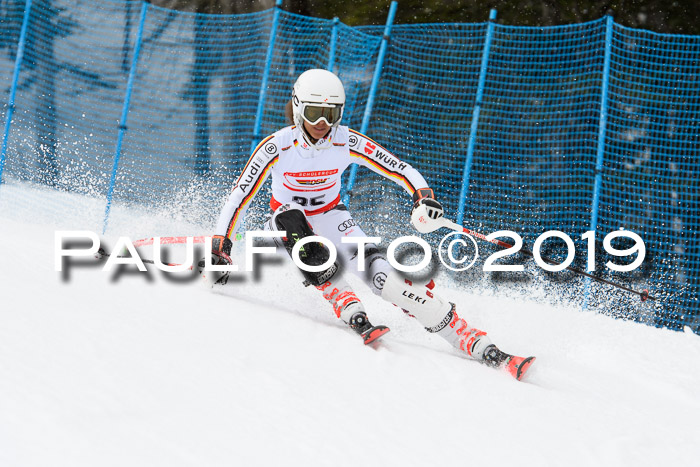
[
  {"x": 334, "y": 44},
  {"x": 266, "y": 75},
  {"x": 13, "y": 89},
  {"x": 125, "y": 113},
  {"x": 372, "y": 91},
  {"x": 600, "y": 152},
  {"x": 466, "y": 175}
]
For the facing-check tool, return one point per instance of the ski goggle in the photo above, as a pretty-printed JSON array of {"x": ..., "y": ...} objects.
[{"x": 315, "y": 113}]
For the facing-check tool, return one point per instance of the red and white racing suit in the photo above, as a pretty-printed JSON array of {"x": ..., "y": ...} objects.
[
  {"x": 309, "y": 179},
  {"x": 307, "y": 176}
]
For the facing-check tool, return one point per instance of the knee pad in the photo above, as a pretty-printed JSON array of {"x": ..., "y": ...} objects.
[{"x": 293, "y": 221}]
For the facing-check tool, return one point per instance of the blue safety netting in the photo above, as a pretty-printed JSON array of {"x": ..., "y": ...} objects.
[
  {"x": 10, "y": 26},
  {"x": 423, "y": 109},
  {"x": 651, "y": 174},
  {"x": 568, "y": 128}
]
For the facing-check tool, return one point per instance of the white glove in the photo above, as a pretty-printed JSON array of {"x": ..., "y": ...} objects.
[{"x": 427, "y": 214}]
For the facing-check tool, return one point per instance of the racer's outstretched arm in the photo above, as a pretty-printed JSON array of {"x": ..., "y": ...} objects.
[{"x": 256, "y": 171}]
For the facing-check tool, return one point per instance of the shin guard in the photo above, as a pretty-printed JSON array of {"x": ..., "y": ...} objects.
[{"x": 435, "y": 313}]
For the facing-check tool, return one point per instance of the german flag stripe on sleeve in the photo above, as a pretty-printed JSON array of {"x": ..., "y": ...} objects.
[
  {"x": 251, "y": 194},
  {"x": 367, "y": 138},
  {"x": 252, "y": 156},
  {"x": 397, "y": 176}
]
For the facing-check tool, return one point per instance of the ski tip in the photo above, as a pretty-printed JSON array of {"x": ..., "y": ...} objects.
[
  {"x": 374, "y": 333},
  {"x": 518, "y": 366}
]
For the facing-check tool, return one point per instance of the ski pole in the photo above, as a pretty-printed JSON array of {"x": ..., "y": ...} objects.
[
  {"x": 101, "y": 253},
  {"x": 644, "y": 294}
]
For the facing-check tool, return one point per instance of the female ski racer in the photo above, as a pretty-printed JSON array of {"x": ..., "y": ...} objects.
[{"x": 306, "y": 161}]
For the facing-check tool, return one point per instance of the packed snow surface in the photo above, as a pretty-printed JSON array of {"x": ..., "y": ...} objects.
[{"x": 125, "y": 368}]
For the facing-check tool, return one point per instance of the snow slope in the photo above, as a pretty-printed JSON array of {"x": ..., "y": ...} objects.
[{"x": 115, "y": 369}]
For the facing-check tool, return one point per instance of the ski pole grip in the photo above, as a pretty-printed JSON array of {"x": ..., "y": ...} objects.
[{"x": 452, "y": 225}]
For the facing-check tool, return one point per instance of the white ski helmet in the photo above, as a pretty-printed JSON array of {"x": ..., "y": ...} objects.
[{"x": 318, "y": 95}]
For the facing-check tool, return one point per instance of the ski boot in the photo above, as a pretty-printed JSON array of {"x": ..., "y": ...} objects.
[
  {"x": 516, "y": 366},
  {"x": 361, "y": 325}
]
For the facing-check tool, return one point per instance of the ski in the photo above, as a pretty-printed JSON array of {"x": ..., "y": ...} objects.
[
  {"x": 372, "y": 334},
  {"x": 518, "y": 366}
]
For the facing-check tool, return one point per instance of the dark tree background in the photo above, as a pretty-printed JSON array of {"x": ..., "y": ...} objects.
[{"x": 664, "y": 16}]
